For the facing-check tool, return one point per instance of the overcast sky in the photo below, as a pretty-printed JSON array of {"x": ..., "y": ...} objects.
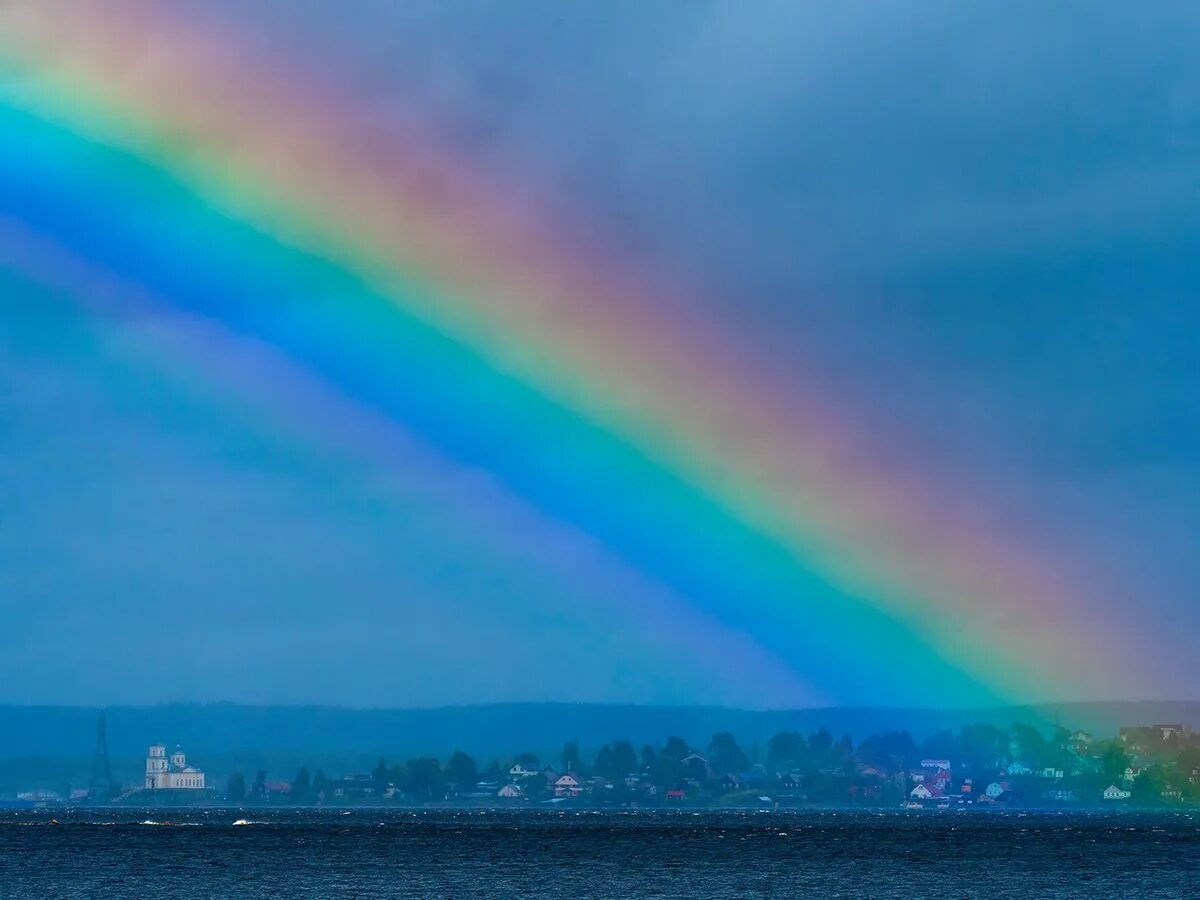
[{"x": 975, "y": 226}]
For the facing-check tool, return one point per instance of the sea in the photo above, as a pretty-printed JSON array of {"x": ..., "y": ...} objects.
[{"x": 579, "y": 854}]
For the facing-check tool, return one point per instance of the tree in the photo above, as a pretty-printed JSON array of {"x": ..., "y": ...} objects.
[
  {"x": 301, "y": 787},
  {"x": 668, "y": 765},
  {"x": 676, "y": 748},
  {"x": 319, "y": 786},
  {"x": 624, "y": 760},
  {"x": 820, "y": 741},
  {"x": 940, "y": 745},
  {"x": 380, "y": 776},
  {"x": 1114, "y": 761},
  {"x": 235, "y": 788},
  {"x": 1147, "y": 788},
  {"x": 649, "y": 757},
  {"x": 260, "y": 785},
  {"x": 604, "y": 762},
  {"x": 843, "y": 751},
  {"x": 785, "y": 750},
  {"x": 528, "y": 759},
  {"x": 423, "y": 778},
  {"x": 1035, "y": 751},
  {"x": 982, "y": 747},
  {"x": 725, "y": 756},
  {"x": 461, "y": 770},
  {"x": 1188, "y": 760},
  {"x": 570, "y": 756},
  {"x": 891, "y": 750}
]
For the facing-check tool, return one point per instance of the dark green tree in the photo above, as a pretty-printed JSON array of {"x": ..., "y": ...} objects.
[
  {"x": 604, "y": 762},
  {"x": 320, "y": 787},
  {"x": 461, "y": 770},
  {"x": 301, "y": 787},
  {"x": 624, "y": 760},
  {"x": 940, "y": 745},
  {"x": 891, "y": 750},
  {"x": 381, "y": 776},
  {"x": 424, "y": 778},
  {"x": 235, "y": 788},
  {"x": 570, "y": 756},
  {"x": 820, "y": 742},
  {"x": 982, "y": 749},
  {"x": 676, "y": 748},
  {"x": 1147, "y": 788},
  {"x": 649, "y": 757},
  {"x": 785, "y": 750},
  {"x": 1031, "y": 746},
  {"x": 260, "y": 785},
  {"x": 725, "y": 756},
  {"x": 1113, "y": 761}
]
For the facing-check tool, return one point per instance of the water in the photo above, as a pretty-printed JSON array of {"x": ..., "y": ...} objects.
[{"x": 567, "y": 854}]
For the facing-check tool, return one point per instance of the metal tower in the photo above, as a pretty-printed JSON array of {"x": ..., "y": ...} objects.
[{"x": 100, "y": 789}]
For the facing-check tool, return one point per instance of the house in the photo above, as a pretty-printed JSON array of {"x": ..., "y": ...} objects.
[
  {"x": 996, "y": 788},
  {"x": 732, "y": 782},
  {"x": 968, "y": 787},
  {"x": 872, "y": 772},
  {"x": 1170, "y": 732},
  {"x": 1060, "y": 795},
  {"x": 935, "y": 764},
  {"x": 1112, "y": 792},
  {"x": 356, "y": 786},
  {"x": 1080, "y": 739},
  {"x": 789, "y": 780},
  {"x": 697, "y": 766},
  {"x": 676, "y": 794},
  {"x": 1050, "y": 774},
  {"x": 567, "y": 786},
  {"x": 511, "y": 792},
  {"x": 517, "y": 770},
  {"x": 1016, "y": 767},
  {"x": 941, "y": 778},
  {"x": 926, "y": 792},
  {"x": 278, "y": 789},
  {"x": 1131, "y": 774}
]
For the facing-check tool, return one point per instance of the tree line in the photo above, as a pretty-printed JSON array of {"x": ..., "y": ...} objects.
[{"x": 817, "y": 761}]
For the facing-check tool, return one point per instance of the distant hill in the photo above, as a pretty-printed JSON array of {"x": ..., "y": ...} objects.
[{"x": 223, "y": 737}]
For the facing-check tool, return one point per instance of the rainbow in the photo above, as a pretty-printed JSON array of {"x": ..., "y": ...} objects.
[{"x": 395, "y": 275}]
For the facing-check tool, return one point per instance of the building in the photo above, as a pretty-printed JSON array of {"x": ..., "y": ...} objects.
[
  {"x": 511, "y": 792},
  {"x": 926, "y": 792},
  {"x": 567, "y": 786},
  {"x": 173, "y": 772},
  {"x": 1112, "y": 792},
  {"x": 996, "y": 789}
]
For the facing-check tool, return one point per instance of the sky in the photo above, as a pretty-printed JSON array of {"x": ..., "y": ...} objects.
[{"x": 765, "y": 355}]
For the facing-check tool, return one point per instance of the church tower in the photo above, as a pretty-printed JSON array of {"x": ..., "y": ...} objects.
[{"x": 156, "y": 767}]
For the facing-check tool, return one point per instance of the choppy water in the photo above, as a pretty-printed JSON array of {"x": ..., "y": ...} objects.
[{"x": 369, "y": 853}]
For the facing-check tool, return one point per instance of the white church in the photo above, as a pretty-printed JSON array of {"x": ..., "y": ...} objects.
[{"x": 171, "y": 773}]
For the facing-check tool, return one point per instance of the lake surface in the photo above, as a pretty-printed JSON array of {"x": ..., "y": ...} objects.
[{"x": 578, "y": 854}]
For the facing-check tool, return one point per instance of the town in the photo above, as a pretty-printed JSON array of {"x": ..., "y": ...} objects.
[{"x": 978, "y": 766}]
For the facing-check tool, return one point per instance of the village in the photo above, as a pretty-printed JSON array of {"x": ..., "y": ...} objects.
[{"x": 979, "y": 766}]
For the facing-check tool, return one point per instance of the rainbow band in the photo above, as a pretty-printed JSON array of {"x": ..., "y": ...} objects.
[{"x": 569, "y": 404}]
